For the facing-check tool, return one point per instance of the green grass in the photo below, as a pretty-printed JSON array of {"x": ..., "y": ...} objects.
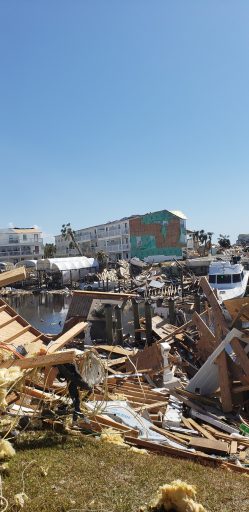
[{"x": 85, "y": 469}]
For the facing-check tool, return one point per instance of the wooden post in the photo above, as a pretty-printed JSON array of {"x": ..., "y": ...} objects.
[
  {"x": 136, "y": 319},
  {"x": 172, "y": 315},
  {"x": 182, "y": 283},
  {"x": 108, "y": 322},
  {"x": 197, "y": 302},
  {"x": 148, "y": 322},
  {"x": 119, "y": 327}
]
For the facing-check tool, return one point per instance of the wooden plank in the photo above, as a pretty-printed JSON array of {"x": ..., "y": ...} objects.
[
  {"x": 241, "y": 355},
  {"x": 2, "y": 308},
  {"x": 115, "y": 362},
  {"x": 233, "y": 447},
  {"x": 149, "y": 357},
  {"x": 206, "y": 343},
  {"x": 38, "y": 393},
  {"x": 216, "y": 309},
  {"x": 66, "y": 337},
  {"x": 202, "y": 327},
  {"x": 170, "y": 435},
  {"x": 16, "y": 335},
  {"x": 105, "y": 420},
  {"x": 169, "y": 450},
  {"x": 236, "y": 308},
  {"x": 200, "y": 429},
  {"x": 116, "y": 350},
  {"x": 150, "y": 407},
  {"x": 13, "y": 276},
  {"x": 9, "y": 321},
  {"x": 105, "y": 295},
  {"x": 209, "y": 445},
  {"x": 241, "y": 389},
  {"x": 67, "y": 356},
  {"x": 225, "y": 385},
  {"x": 186, "y": 423}
]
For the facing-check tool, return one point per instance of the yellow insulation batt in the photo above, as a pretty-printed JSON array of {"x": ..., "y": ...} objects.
[
  {"x": 6, "y": 449},
  {"x": 8, "y": 376},
  {"x": 109, "y": 435},
  {"x": 178, "y": 496}
]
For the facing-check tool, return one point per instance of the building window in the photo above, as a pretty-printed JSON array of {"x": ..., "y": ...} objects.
[
  {"x": 36, "y": 238},
  {"x": 13, "y": 239},
  {"x": 24, "y": 237}
]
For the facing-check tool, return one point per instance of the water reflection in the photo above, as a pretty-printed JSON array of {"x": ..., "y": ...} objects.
[{"x": 47, "y": 312}]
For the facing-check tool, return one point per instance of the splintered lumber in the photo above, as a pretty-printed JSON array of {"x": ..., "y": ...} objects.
[
  {"x": 67, "y": 356},
  {"x": 169, "y": 450},
  {"x": 115, "y": 362},
  {"x": 202, "y": 327},
  {"x": 149, "y": 357},
  {"x": 233, "y": 447},
  {"x": 116, "y": 350},
  {"x": 152, "y": 406},
  {"x": 105, "y": 295},
  {"x": 66, "y": 337},
  {"x": 238, "y": 308},
  {"x": 200, "y": 429},
  {"x": 13, "y": 276},
  {"x": 209, "y": 445},
  {"x": 216, "y": 309},
  {"x": 206, "y": 343},
  {"x": 241, "y": 355},
  {"x": 224, "y": 381}
]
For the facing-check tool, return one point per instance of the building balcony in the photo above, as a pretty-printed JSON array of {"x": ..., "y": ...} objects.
[
  {"x": 126, "y": 247},
  {"x": 112, "y": 233},
  {"x": 114, "y": 248}
]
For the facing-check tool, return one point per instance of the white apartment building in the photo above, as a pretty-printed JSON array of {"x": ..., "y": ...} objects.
[
  {"x": 113, "y": 238},
  {"x": 17, "y": 244}
]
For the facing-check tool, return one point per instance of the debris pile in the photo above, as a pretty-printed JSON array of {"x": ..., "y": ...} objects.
[{"x": 183, "y": 392}]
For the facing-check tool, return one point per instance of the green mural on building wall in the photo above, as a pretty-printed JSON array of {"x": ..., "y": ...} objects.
[{"x": 160, "y": 233}]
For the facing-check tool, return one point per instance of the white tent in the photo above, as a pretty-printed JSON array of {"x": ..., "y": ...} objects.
[
  {"x": 27, "y": 263},
  {"x": 73, "y": 268}
]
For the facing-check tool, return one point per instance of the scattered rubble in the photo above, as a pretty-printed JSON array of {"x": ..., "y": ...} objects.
[{"x": 180, "y": 390}]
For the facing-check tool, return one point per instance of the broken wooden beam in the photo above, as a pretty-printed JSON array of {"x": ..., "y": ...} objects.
[
  {"x": 13, "y": 276},
  {"x": 66, "y": 337},
  {"x": 66, "y": 356}
]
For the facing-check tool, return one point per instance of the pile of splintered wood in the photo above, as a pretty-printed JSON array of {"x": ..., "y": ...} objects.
[{"x": 204, "y": 416}]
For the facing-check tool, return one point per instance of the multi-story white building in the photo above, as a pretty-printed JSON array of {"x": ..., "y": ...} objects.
[
  {"x": 112, "y": 238},
  {"x": 17, "y": 244},
  {"x": 155, "y": 236}
]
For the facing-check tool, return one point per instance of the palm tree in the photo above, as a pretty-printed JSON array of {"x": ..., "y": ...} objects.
[
  {"x": 49, "y": 250},
  {"x": 195, "y": 239},
  {"x": 102, "y": 258},
  {"x": 224, "y": 241},
  {"x": 69, "y": 234}
]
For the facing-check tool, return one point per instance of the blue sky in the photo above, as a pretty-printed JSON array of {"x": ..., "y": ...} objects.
[{"x": 110, "y": 108}]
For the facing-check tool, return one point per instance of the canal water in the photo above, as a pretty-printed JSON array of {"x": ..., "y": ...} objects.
[{"x": 46, "y": 311}]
